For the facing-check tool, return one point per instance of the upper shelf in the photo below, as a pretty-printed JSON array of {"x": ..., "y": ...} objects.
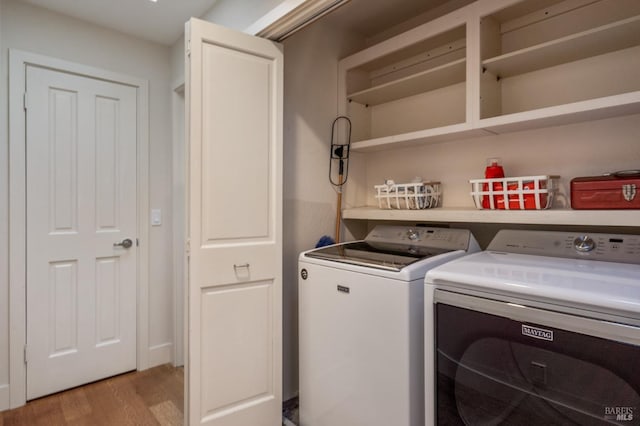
[
  {"x": 622, "y": 218},
  {"x": 557, "y": 115},
  {"x": 442, "y": 76},
  {"x": 593, "y": 109},
  {"x": 616, "y": 36},
  {"x": 420, "y": 137}
]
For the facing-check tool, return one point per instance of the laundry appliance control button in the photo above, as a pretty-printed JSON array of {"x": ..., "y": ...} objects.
[
  {"x": 584, "y": 244},
  {"x": 412, "y": 234}
]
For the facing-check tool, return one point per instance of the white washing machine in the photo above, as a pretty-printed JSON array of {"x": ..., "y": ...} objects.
[
  {"x": 543, "y": 328},
  {"x": 361, "y": 325}
]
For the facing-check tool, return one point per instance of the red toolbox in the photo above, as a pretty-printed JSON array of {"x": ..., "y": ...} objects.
[{"x": 619, "y": 190}]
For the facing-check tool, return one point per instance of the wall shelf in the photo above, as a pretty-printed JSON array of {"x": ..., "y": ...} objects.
[
  {"x": 425, "y": 81},
  {"x": 421, "y": 137},
  {"x": 622, "y": 218},
  {"x": 592, "y": 109},
  {"x": 616, "y": 36}
]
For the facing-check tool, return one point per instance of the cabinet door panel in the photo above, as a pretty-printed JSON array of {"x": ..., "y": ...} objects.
[{"x": 234, "y": 116}]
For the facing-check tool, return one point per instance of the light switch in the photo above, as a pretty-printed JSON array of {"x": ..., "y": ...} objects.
[{"x": 156, "y": 217}]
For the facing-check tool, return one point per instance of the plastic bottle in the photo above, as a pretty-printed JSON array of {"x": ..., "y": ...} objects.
[{"x": 493, "y": 170}]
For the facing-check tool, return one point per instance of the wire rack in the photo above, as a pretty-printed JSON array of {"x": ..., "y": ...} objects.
[
  {"x": 515, "y": 193},
  {"x": 409, "y": 196}
]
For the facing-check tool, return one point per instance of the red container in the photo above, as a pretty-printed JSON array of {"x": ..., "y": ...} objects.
[
  {"x": 493, "y": 170},
  {"x": 529, "y": 199},
  {"x": 606, "y": 192}
]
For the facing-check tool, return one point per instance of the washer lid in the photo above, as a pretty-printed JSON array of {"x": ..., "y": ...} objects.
[
  {"x": 606, "y": 287},
  {"x": 387, "y": 256},
  {"x": 393, "y": 247}
]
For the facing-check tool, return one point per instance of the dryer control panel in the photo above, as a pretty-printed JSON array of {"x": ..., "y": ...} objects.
[{"x": 623, "y": 248}]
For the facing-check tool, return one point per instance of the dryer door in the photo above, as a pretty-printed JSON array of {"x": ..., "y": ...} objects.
[{"x": 496, "y": 366}]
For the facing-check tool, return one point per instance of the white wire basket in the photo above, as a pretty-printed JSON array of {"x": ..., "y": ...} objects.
[
  {"x": 409, "y": 196},
  {"x": 515, "y": 193}
]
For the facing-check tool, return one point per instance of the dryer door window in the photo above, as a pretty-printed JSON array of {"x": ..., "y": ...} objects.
[{"x": 493, "y": 370}]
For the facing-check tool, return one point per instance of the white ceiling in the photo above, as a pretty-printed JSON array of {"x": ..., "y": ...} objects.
[{"x": 161, "y": 22}]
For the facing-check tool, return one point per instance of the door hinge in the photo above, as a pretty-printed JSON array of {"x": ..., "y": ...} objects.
[
  {"x": 189, "y": 48},
  {"x": 25, "y": 354},
  {"x": 137, "y": 242},
  {"x": 187, "y": 246},
  {"x": 24, "y": 101}
]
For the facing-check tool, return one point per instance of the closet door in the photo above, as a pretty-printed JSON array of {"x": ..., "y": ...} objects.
[{"x": 234, "y": 128}]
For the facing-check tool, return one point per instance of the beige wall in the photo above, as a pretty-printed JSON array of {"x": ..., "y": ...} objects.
[
  {"x": 37, "y": 30},
  {"x": 582, "y": 149},
  {"x": 310, "y": 106},
  {"x": 177, "y": 63}
]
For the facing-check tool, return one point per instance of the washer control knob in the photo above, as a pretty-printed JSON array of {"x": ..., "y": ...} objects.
[
  {"x": 412, "y": 234},
  {"x": 584, "y": 244}
]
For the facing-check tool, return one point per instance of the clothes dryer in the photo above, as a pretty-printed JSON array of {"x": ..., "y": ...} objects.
[{"x": 543, "y": 328}]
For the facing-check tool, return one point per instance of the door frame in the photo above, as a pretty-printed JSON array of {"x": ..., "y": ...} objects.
[
  {"x": 179, "y": 222},
  {"x": 18, "y": 62}
]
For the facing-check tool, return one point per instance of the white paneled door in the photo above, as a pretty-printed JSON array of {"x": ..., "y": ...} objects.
[
  {"x": 81, "y": 230},
  {"x": 234, "y": 124}
]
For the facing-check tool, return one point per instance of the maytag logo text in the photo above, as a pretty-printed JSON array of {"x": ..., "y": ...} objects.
[{"x": 537, "y": 333}]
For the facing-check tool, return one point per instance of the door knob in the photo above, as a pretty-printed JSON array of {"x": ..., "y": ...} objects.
[{"x": 126, "y": 243}]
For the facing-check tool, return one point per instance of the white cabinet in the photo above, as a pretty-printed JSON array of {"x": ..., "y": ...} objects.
[
  {"x": 492, "y": 67},
  {"x": 558, "y": 62},
  {"x": 411, "y": 88}
]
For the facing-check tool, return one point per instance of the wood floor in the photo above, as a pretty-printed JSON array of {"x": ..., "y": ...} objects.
[{"x": 150, "y": 397}]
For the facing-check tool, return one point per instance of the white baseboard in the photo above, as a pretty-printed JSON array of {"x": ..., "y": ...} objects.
[
  {"x": 4, "y": 397},
  {"x": 160, "y": 354}
]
